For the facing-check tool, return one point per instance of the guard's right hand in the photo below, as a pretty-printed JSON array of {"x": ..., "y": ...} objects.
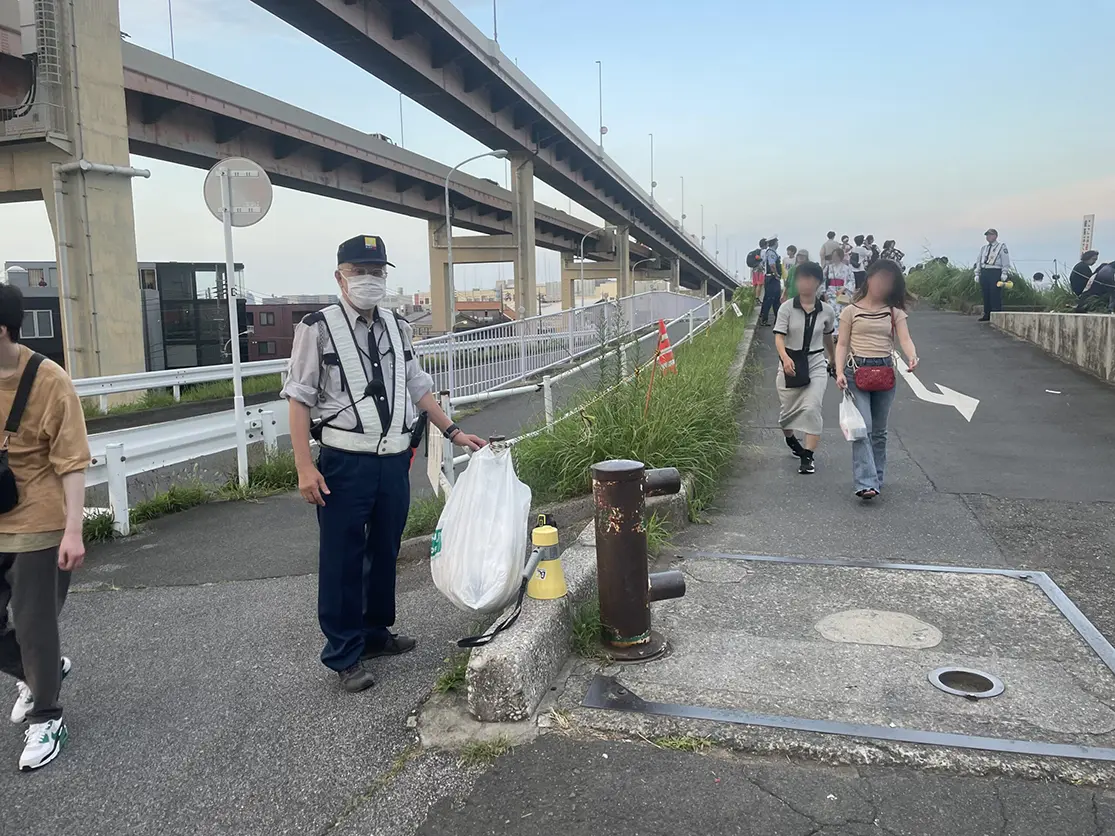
[
  {"x": 311, "y": 484},
  {"x": 788, "y": 367},
  {"x": 841, "y": 380}
]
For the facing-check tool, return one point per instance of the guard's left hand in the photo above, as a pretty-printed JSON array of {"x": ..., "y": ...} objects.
[{"x": 469, "y": 441}]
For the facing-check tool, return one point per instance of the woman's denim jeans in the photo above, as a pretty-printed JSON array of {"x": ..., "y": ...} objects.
[{"x": 869, "y": 455}]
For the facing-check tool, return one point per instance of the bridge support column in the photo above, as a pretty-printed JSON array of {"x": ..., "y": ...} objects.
[
  {"x": 522, "y": 219},
  {"x": 624, "y": 281},
  {"x": 704, "y": 287},
  {"x": 467, "y": 249},
  {"x": 675, "y": 275},
  {"x": 569, "y": 275},
  {"x": 98, "y": 252}
]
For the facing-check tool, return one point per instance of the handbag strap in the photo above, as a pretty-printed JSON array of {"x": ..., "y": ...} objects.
[
  {"x": 23, "y": 393},
  {"x": 810, "y": 323},
  {"x": 509, "y": 621}
]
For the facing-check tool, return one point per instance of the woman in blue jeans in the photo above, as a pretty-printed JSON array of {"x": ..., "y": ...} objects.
[{"x": 869, "y": 329}]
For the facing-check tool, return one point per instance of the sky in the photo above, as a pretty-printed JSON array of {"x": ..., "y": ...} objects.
[{"x": 922, "y": 122}]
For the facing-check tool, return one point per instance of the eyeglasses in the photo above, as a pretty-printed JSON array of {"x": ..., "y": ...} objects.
[{"x": 377, "y": 271}]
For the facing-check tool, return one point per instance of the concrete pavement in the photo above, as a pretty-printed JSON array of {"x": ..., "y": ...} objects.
[{"x": 197, "y": 704}]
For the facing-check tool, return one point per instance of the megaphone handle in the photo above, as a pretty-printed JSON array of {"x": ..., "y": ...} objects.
[{"x": 532, "y": 563}]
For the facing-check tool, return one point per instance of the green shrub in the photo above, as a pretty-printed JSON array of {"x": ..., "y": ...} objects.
[{"x": 955, "y": 288}]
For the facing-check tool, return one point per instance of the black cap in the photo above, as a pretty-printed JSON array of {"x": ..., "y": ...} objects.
[
  {"x": 363, "y": 249},
  {"x": 991, "y": 231}
]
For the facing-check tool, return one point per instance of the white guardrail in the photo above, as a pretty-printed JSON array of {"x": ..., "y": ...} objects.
[{"x": 486, "y": 360}]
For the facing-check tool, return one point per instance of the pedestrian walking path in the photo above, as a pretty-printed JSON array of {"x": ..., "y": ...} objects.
[{"x": 197, "y": 705}]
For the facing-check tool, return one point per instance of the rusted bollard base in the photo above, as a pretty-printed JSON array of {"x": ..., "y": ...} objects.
[{"x": 643, "y": 652}]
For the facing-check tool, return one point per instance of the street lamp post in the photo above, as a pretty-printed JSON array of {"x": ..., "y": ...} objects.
[
  {"x": 170, "y": 15},
  {"x": 716, "y": 241},
  {"x": 582, "y": 265},
  {"x": 600, "y": 99},
  {"x": 652, "y": 183},
  {"x": 683, "y": 204},
  {"x": 702, "y": 226},
  {"x": 495, "y": 23},
  {"x": 499, "y": 154}
]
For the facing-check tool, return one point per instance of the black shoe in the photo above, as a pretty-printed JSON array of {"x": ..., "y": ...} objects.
[
  {"x": 807, "y": 465},
  {"x": 795, "y": 446},
  {"x": 984, "y": 319},
  {"x": 356, "y": 679},
  {"x": 394, "y": 646}
]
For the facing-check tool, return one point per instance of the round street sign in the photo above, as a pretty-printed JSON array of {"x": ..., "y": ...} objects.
[{"x": 251, "y": 191}]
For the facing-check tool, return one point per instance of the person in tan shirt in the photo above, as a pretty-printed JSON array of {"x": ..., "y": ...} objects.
[
  {"x": 41, "y": 537},
  {"x": 870, "y": 329}
]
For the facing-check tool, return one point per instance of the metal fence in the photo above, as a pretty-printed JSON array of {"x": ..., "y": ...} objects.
[{"x": 488, "y": 358}]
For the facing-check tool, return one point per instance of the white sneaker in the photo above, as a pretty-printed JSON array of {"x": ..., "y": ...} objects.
[
  {"x": 43, "y": 743},
  {"x": 25, "y": 701}
]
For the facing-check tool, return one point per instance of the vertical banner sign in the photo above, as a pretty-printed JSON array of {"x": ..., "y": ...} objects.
[{"x": 1086, "y": 233}]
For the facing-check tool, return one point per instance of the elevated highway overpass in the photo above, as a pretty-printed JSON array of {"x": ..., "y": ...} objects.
[{"x": 430, "y": 51}]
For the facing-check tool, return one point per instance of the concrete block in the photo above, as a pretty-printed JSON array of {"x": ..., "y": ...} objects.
[{"x": 508, "y": 677}]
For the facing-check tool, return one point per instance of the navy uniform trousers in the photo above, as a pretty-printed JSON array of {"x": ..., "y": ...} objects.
[{"x": 361, "y": 526}]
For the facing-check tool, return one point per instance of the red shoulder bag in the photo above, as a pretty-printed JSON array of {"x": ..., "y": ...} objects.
[{"x": 878, "y": 378}]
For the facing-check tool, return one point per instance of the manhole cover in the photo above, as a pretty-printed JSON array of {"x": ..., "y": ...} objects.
[
  {"x": 879, "y": 627},
  {"x": 968, "y": 683}
]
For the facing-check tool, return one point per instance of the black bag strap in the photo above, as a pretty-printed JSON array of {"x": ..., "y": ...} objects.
[
  {"x": 810, "y": 322},
  {"x": 509, "y": 621},
  {"x": 23, "y": 393}
]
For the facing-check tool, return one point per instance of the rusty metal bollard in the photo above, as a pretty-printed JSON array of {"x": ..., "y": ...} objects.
[{"x": 626, "y": 587}]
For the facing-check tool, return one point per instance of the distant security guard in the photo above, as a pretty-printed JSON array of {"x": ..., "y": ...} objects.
[
  {"x": 992, "y": 268},
  {"x": 355, "y": 385}
]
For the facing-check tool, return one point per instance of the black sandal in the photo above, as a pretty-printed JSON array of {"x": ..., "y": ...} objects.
[{"x": 867, "y": 493}]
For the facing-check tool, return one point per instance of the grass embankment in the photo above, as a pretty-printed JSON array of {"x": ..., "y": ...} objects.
[
  {"x": 955, "y": 288},
  {"x": 156, "y": 398},
  {"x": 691, "y": 423}
]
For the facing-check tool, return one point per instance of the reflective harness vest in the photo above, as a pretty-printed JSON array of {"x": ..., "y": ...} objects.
[{"x": 380, "y": 428}]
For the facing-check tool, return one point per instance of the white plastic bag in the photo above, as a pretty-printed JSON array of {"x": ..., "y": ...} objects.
[
  {"x": 479, "y": 548},
  {"x": 851, "y": 422}
]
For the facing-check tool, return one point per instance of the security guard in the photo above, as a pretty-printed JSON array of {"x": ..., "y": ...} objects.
[
  {"x": 992, "y": 268},
  {"x": 355, "y": 385}
]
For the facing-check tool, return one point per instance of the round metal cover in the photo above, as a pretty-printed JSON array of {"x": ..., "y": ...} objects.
[
  {"x": 966, "y": 682},
  {"x": 251, "y": 191}
]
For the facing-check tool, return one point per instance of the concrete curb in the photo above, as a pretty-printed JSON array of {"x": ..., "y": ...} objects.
[{"x": 509, "y": 677}]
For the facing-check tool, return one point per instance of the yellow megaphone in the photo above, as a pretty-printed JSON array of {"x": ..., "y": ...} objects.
[{"x": 547, "y": 581}]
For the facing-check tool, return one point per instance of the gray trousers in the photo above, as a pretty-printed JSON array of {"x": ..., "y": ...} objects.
[{"x": 35, "y": 588}]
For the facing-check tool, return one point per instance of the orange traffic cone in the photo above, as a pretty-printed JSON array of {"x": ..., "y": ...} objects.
[{"x": 665, "y": 352}]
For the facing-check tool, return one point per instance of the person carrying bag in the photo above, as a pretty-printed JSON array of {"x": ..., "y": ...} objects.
[
  {"x": 870, "y": 328},
  {"x": 808, "y": 322}
]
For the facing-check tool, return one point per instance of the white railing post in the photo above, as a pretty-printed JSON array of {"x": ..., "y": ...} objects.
[
  {"x": 118, "y": 489},
  {"x": 624, "y": 364},
  {"x": 177, "y": 390},
  {"x": 690, "y": 318},
  {"x": 447, "y": 446},
  {"x": 522, "y": 347},
  {"x": 572, "y": 328},
  {"x": 270, "y": 437},
  {"x": 102, "y": 403},
  {"x": 548, "y": 400}
]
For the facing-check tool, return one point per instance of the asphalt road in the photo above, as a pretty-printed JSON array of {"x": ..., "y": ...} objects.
[{"x": 197, "y": 704}]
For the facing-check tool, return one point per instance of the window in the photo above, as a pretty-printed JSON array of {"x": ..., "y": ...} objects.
[
  {"x": 267, "y": 347},
  {"x": 37, "y": 325},
  {"x": 36, "y": 277},
  {"x": 147, "y": 279},
  {"x": 266, "y": 318},
  {"x": 250, "y": 319}
]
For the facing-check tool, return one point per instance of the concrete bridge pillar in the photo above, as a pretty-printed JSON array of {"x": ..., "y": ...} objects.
[
  {"x": 625, "y": 283},
  {"x": 522, "y": 220},
  {"x": 98, "y": 254},
  {"x": 704, "y": 287},
  {"x": 675, "y": 275},
  {"x": 467, "y": 249}
]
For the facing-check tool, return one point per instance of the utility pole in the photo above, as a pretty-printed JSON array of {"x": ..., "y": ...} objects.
[{"x": 600, "y": 99}]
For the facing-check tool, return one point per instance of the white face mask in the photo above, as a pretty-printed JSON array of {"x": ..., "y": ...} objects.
[{"x": 365, "y": 292}]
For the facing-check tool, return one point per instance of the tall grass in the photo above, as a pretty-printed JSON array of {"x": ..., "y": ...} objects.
[
  {"x": 691, "y": 423},
  {"x": 955, "y": 288}
]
